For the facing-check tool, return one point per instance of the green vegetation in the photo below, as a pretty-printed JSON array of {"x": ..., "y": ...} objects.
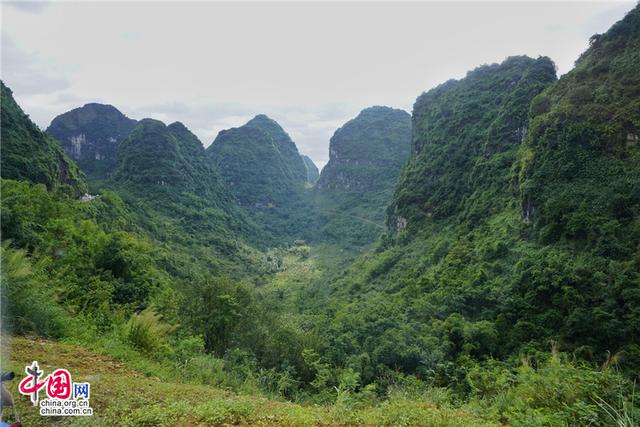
[
  {"x": 486, "y": 259},
  {"x": 501, "y": 288},
  {"x": 262, "y": 168},
  {"x": 46, "y": 163},
  {"x": 168, "y": 159},
  {"x": 293, "y": 163},
  {"x": 312, "y": 169},
  {"x": 252, "y": 167},
  {"x": 90, "y": 135},
  {"x": 159, "y": 402},
  {"x": 365, "y": 158}
]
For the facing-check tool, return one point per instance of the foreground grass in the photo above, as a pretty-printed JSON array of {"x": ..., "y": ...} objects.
[{"x": 123, "y": 396}]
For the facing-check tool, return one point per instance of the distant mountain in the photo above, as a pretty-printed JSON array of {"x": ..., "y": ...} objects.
[
  {"x": 285, "y": 145},
  {"x": 30, "y": 154},
  {"x": 259, "y": 162},
  {"x": 164, "y": 173},
  {"x": 156, "y": 157},
  {"x": 312, "y": 170},
  {"x": 91, "y": 135},
  {"x": 367, "y": 153},
  {"x": 262, "y": 167},
  {"x": 365, "y": 159}
]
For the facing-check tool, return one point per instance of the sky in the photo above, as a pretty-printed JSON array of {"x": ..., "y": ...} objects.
[{"x": 309, "y": 66}]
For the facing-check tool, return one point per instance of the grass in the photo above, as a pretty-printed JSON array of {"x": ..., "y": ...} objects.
[{"x": 123, "y": 396}]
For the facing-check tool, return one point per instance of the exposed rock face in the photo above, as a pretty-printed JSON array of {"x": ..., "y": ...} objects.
[
  {"x": 312, "y": 170},
  {"x": 30, "y": 154},
  {"x": 91, "y": 135},
  {"x": 367, "y": 153},
  {"x": 259, "y": 162}
]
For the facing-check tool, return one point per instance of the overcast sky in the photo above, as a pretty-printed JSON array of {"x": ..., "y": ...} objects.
[{"x": 310, "y": 66}]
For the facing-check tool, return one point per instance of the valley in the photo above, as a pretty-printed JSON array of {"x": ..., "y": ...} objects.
[{"x": 475, "y": 262}]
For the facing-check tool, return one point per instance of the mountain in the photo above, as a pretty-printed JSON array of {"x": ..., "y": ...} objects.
[
  {"x": 262, "y": 167},
  {"x": 502, "y": 289},
  {"x": 465, "y": 134},
  {"x": 165, "y": 158},
  {"x": 45, "y": 163},
  {"x": 365, "y": 159},
  {"x": 90, "y": 135},
  {"x": 259, "y": 162},
  {"x": 579, "y": 170},
  {"x": 312, "y": 170},
  {"x": 367, "y": 153},
  {"x": 444, "y": 264},
  {"x": 284, "y": 144},
  {"x": 164, "y": 174},
  {"x": 515, "y": 224}
]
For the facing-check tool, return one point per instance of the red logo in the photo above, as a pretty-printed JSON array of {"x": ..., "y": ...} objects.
[{"x": 58, "y": 383}]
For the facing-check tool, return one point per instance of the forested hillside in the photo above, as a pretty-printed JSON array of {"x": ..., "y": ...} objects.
[
  {"x": 513, "y": 230},
  {"x": 263, "y": 169},
  {"x": 312, "y": 170},
  {"x": 31, "y": 155},
  {"x": 90, "y": 135},
  {"x": 354, "y": 188},
  {"x": 256, "y": 162},
  {"x": 474, "y": 263}
]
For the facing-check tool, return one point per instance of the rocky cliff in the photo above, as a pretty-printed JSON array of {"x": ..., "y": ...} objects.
[
  {"x": 312, "y": 170},
  {"x": 90, "y": 135}
]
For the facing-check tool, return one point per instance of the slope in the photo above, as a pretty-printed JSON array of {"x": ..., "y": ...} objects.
[
  {"x": 167, "y": 403},
  {"x": 513, "y": 226},
  {"x": 261, "y": 166},
  {"x": 46, "y": 164},
  {"x": 354, "y": 188}
]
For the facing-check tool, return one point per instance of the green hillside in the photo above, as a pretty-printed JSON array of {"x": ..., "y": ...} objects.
[
  {"x": 169, "y": 159},
  {"x": 312, "y": 169},
  {"x": 513, "y": 230},
  {"x": 253, "y": 167},
  {"x": 31, "y": 155},
  {"x": 365, "y": 159},
  {"x": 287, "y": 149},
  {"x": 177, "y": 195},
  {"x": 262, "y": 168}
]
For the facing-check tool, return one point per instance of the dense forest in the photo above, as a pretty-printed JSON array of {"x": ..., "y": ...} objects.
[{"x": 475, "y": 262}]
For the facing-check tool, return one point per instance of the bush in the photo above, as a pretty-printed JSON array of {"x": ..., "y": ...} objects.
[
  {"x": 29, "y": 305},
  {"x": 147, "y": 332}
]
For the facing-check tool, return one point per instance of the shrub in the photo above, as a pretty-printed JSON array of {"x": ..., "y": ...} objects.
[
  {"x": 147, "y": 332},
  {"x": 29, "y": 305}
]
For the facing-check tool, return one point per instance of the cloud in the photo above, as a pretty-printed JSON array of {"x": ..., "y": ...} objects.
[
  {"x": 26, "y": 71},
  {"x": 28, "y": 6}
]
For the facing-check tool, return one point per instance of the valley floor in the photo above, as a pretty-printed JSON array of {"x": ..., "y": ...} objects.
[{"x": 123, "y": 396}]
